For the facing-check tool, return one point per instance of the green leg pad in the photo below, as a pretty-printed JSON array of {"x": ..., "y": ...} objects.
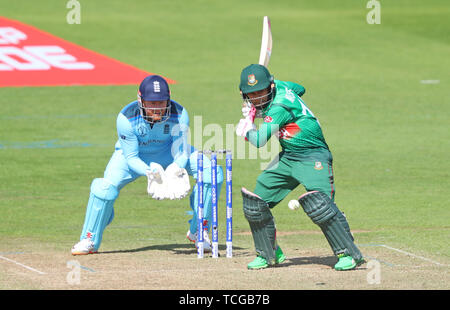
[
  {"x": 341, "y": 217},
  {"x": 262, "y": 225},
  {"x": 324, "y": 212}
]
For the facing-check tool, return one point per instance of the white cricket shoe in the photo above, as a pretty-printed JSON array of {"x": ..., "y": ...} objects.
[
  {"x": 206, "y": 242},
  {"x": 84, "y": 247}
]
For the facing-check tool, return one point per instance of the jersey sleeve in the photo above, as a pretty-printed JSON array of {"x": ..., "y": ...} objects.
[
  {"x": 130, "y": 145},
  {"x": 276, "y": 118},
  {"x": 180, "y": 147},
  {"x": 296, "y": 88}
]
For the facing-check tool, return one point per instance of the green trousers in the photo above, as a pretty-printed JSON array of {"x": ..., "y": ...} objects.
[{"x": 284, "y": 175}]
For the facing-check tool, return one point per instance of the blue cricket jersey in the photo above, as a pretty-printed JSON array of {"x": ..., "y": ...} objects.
[{"x": 138, "y": 140}]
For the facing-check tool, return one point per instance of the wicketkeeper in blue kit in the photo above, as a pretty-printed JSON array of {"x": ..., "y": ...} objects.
[{"x": 152, "y": 142}]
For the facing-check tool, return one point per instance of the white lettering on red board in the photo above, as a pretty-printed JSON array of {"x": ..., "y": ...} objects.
[{"x": 34, "y": 57}]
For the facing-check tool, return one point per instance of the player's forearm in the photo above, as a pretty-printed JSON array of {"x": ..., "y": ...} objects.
[
  {"x": 137, "y": 165},
  {"x": 130, "y": 150},
  {"x": 260, "y": 137}
]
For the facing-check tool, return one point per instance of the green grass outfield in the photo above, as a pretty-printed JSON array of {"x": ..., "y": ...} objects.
[{"x": 389, "y": 130}]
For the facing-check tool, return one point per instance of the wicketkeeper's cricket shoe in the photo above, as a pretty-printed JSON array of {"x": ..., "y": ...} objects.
[
  {"x": 346, "y": 262},
  {"x": 84, "y": 247},
  {"x": 260, "y": 262},
  {"x": 207, "y": 245}
]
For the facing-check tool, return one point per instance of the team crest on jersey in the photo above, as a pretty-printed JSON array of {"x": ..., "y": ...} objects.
[
  {"x": 252, "y": 80},
  {"x": 268, "y": 119},
  {"x": 318, "y": 165}
]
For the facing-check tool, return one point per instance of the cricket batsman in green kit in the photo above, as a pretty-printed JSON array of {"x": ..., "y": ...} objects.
[{"x": 305, "y": 159}]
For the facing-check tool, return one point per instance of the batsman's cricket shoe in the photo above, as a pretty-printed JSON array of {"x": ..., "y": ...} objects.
[
  {"x": 260, "y": 262},
  {"x": 279, "y": 256},
  {"x": 84, "y": 247},
  {"x": 207, "y": 245},
  {"x": 346, "y": 262}
]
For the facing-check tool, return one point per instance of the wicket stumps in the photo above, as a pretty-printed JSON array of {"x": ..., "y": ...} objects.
[
  {"x": 200, "y": 204},
  {"x": 214, "y": 229},
  {"x": 214, "y": 204},
  {"x": 229, "y": 204}
]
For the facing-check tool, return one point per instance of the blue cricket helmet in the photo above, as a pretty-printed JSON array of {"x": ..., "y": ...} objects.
[{"x": 154, "y": 88}]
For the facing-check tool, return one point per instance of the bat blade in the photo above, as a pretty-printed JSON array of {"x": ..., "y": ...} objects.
[{"x": 266, "y": 43}]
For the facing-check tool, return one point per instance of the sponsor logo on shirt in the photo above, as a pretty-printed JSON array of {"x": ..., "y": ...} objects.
[{"x": 148, "y": 142}]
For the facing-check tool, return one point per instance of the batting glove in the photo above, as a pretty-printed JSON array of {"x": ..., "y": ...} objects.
[{"x": 244, "y": 126}]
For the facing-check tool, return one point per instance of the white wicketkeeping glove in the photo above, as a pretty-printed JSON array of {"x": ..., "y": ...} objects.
[
  {"x": 156, "y": 187},
  {"x": 178, "y": 185}
]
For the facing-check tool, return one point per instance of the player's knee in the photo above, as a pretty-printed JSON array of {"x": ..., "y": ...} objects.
[
  {"x": 255, "y": 209},
  {"x": 318, "y": 206},
  {"x": 103, "y": 189}
]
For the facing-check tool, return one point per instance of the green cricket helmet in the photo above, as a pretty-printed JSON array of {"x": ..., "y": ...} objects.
[{"x": 255, "y": 78}]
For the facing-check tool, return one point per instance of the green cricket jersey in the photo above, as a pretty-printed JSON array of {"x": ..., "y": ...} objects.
[{"x": 297, "y": 128}]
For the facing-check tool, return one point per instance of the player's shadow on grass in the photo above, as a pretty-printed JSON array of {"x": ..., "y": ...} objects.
[
  {"x": 179, "y": 249},
  {"x": 311, "y": 260}
]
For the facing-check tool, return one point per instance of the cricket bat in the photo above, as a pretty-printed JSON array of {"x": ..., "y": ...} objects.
[{"x": 266, "y": 43}]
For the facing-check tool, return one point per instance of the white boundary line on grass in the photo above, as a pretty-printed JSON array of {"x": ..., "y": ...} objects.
[{"x": 24, "y": 266}]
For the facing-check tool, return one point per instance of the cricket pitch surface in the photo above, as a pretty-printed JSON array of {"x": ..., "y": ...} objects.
[{"x": 176, "y": 267}]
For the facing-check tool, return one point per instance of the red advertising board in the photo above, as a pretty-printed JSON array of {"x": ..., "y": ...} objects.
[{"x": 32, "y": 57}]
